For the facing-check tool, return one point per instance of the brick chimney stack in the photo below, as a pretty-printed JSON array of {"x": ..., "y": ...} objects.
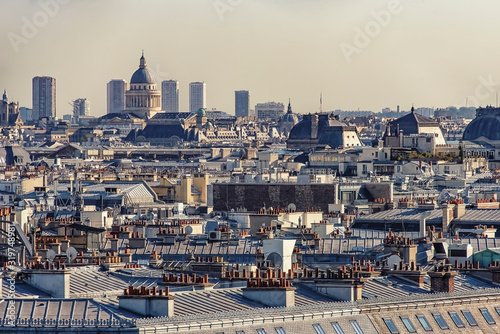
[{"x": 443, "y": 279}]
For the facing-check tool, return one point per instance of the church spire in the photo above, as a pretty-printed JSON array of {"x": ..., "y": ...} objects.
[
  {"x": 289, "y": 111},
  {"x": 142, "y": 61}
]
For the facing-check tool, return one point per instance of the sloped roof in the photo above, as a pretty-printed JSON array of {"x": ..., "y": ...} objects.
[{"x": 410, "y": 123}]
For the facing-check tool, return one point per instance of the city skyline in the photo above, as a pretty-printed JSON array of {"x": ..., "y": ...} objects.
[{"x": 367, "y": 55}]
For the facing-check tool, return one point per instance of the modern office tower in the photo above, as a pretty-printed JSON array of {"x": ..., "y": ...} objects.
[
  {"x": 197, "y": 96},
  {"x": 116, "y": 96},
  {"x": 170, "y": 96},
  {"x": 81, "y": 107},
  {"x": 241, "y": 103},
  {"x": 269, "y": 110},
  {"x": 44, "y": 97}
]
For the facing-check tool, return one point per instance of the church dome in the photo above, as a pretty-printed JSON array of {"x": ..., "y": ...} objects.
[
  {"x": 201, "y": 112},
  {"x": 142, "y": 75},
  {"x": 486, "y": 124}
]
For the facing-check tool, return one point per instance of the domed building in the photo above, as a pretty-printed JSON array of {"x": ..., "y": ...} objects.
[
  {"x": 322, "y": 130},
  {"x": 288, "y": 121},
  {"x": 143, "y": 99},
  {"x": 201, "y": 118},
  {"x": 485, "y": 127}
]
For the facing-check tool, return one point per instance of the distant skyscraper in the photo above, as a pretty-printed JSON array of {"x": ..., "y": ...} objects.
[
  {"x": 44, "y": 97},
  {"x": 170, "y": 96},
  {"x": 197, "y": 96},
  {"x": 116, "y": 96},
  {"x": 241, "y": 103},
  {"x": 81, "y": 107}
]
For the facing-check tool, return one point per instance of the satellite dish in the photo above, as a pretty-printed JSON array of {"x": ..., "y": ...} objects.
[
  {"x": 51, "y": 255},
  {"x": 292, "y": 207},
  {"x": 188, "y": 230},
  {"x": 275, "y": 260},
  {"x": 392, "y": 260},
  {"x": 71, "y": 254}
]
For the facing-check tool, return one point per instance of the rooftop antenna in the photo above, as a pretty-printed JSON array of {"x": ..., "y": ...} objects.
[
  {"x": 497, "y": 99},
  {"x": 467, "y": 102},
  {"x": 321, "y": 102}
]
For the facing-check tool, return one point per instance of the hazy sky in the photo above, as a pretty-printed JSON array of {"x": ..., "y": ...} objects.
[{"x": 431, "y": 53}]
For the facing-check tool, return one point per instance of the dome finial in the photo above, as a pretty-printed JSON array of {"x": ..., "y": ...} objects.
[
  {"x": 289, "y": 111},
  {"x": 142, "y": 63}
]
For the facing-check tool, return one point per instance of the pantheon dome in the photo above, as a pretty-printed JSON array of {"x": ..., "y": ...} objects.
[{"x": 143, "y": 99}]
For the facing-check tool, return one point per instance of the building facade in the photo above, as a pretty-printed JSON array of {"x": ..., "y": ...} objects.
[
  {"x": 270, "y": 110},
  {"x": 143, "y": 98},
  {"x": 44, "y": 97},
  {"x": 241, "y": 103},
  {"x": 9, "y": 112},
  {"x": 116, "y": 96},
  {"x": 197, "y": 96},
  {"x": 81, "y": 107},
  {"x": 170, "y": 96}
]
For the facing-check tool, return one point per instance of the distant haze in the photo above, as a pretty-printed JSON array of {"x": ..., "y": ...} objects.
[{"x": 432, "y": 53}]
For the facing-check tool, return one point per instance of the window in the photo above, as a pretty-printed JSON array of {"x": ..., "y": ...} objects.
[
  {"x": 440, "y": 320},
  {"x": 357, "y": 327},
  {"x": 498, "y": 310},
  {"x": 280, "y": 330},
  {"x": 390, "y": 324},
  {"x": 409, "y": 326},
  {"x": 240, "y": 332},
  {"x": 456, "y": 319},
  {"x": 337, "y": 328},
  {"x": 423, "y": 321},
  {"x": 470, "y": 319},
  {"x": 261, "y": 331},
  {"x": 487, "y": 316},
  {"x": 319, "y": 329}
]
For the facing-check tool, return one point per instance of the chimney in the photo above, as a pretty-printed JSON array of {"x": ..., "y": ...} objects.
[
  {"x": 343, "y": 289},
  {"x": 126, "y": 256},
  {"x": 459, "y": 210},
  {"x": 55, "y": 282},
  {"x": 495, "y": 274},
  {"x": 148, "y": 302},
  {"x": 275, "y": 292},
  {"x": 114, "y": 244},
  {"x": 421, "y": 233},
  {"x": 410, "y": 273},
  {"x": 137, "y": 241},
  {"x": 65, "y": 244},
  {"x": 443, "y": 280},
  {"x": 448, "y": 215}
]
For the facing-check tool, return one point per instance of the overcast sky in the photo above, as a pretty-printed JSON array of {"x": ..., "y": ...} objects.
[{"x": 361, "y": 54}]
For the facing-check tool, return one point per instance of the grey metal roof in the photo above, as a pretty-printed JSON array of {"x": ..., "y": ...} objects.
[
  {"x": 142, "y": 76},
  {"x": 480, "y": 216},
  {"x": 405, "y": 214}
]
